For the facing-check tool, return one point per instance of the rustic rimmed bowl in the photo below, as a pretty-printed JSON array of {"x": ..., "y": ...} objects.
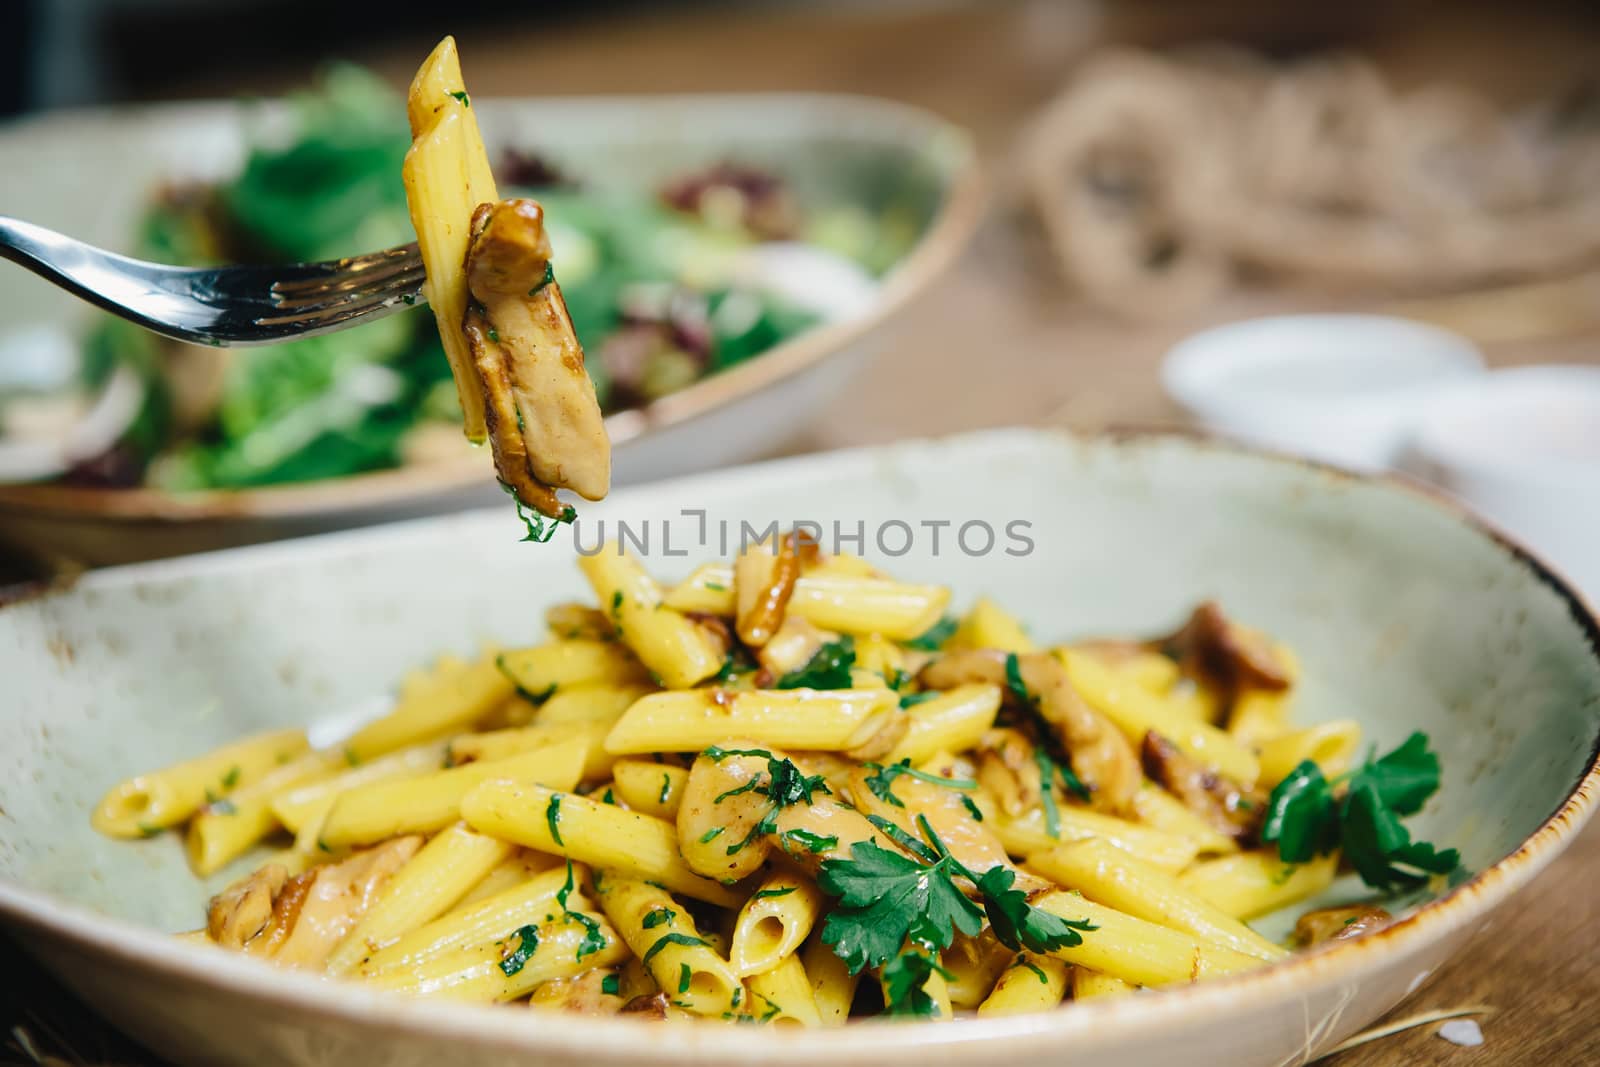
[
  {"x": 1408, "y": 615},
  {"x": 835, "y": 149}
]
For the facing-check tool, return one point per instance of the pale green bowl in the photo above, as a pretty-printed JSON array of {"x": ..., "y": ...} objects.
[{"x": 1408, "y": 615}]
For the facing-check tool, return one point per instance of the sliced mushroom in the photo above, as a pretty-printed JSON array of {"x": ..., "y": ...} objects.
[
  {"x": 764, "y": 579},
  {"x": 1231, "y": 657},
  {"x": 1220, "y": 801},
  {"x": 243, "y": 910},
  {"x": 1100, "y": 755},
  {"x": 544, "y": 423},
  {"x": 1339, "y": 924}
]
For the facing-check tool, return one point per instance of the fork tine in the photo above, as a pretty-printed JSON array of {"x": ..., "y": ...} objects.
[
  {"x": 345, "y": 279},
  {"x": 291, "y": 279},
  {"x": 349, "y": 289},
  {"x": 351, "y": 306}
]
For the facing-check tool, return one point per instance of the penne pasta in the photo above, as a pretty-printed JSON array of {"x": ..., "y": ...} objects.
[
  {"x": 1087, "y": 985},
  {"x": 693, "y": 720},
  {"x": 472, "y": 923},
  {"x": 834, "y": 600},
  {"x": 782, "y": 995},
  {"x": 1030, "y": 983},
  {"x": 662, "y": 933},
  {"x": 446, "y": 176},
  {"x": 1119, "y": 879},
  {"x": 774, "y": 922},
  {"x": 153, "y": 802},
  {"x": 590, "y": 702},
  {"x": 1330, "y": 745},
  {"x": 543, "y": 672},
  {"x": 517, "y": 740},
  {"x": 987, "y": 625},
  {"x": 1251, "y": 884},
  {"x": 1140, "y": 952},
  {"x": 498, "y": 971},
  {"x": 973, "y": 965},
  {"x": 590, "y": 832},
  {"x": 953, "y": 721},
  {"x": 438, "y": 876},
  {"x": 447, "y": 699},
  {"x": 1158, "y": 809},
  {"x": 421, "y": 805},
  {"x": 306, "y": 805},
  {"x": 650, "y": 787},
  {"x": 1259, "y": 714},
  {"x": 671, "y": 645},
  {"x": 1030, "y": 834},
  {"x": 833, "y": 987},
  {"x": 1136, "y": 711},
  {"x": 522, "y": 866},
  {"x": 229, "y": 827}
]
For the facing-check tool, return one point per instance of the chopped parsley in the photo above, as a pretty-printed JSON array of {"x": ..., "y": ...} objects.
[
  {"x": 666, "y": 788},
  {"x": 783, "y": 783},
  {"x": 231, "y": 779},
  {"x": 882, "y": 779},
  {"x": 459, "y": 94},
  {"x": 685, "y": 976},
  {"x": 527, "y": 943},
  {"x": 541, "y": 528},
  {"x": 828, "y": 668},
  {"x": 711, "y": 834},
  {"x": 593, "y": 940},
  {"x": 887, "y": 899},
  {"x": 611, "y": 985},
  {"x": 494, "y": 335},
  {"x": 687, "y": 940},
  {"x": 716, "y": 587},
  {"x": 1305, "y": 817},
  {"x": 765, "y": 894},
  {"x": 1049, "y": 767},
  {"x": 552, "y": 818},
  {"x": 1047, "y": 791},
  {"x": 812, "y": 842},
  {"x": 910, "y": 700},
  {"x": 905, "y": 980},
  {"x": 549, "y": 276},
  {"x": 933, "y": 638},
  {"x": 1023, "y": 961},
  {"x": 658, "y": 917}
]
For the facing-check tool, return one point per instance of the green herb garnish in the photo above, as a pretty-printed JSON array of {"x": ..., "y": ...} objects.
[
  {"x": 1305, "y": 817},
  {"x": 552, "y": 817},
  {"x": 666, "y": 788},
  {"x": 687, "y": 940},
  {"x": 685, "y": 975},
  {"x": 461, "y": 95},
  {"x": 549, "y": 276},
  {"x": 764, "y": 894},
  {"x": 527, "y": 943},
  {"x": 611, "y": 985},
  {"x": 231, "y": 779},
  {"x": 887, "y": 899},
  {"x": 828, "y": 668},
  {"x": 882, "y": 780},
  {"x": 711, "y": 834},
  {"x": 905, "y": 978},
  {"x": 812, "y": 842},
  {"x": 933, "y": 638},
  {"x": 658, "y": 917}
]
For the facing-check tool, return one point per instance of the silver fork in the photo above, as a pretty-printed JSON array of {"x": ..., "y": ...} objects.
[{"x": 222, "y": 305}]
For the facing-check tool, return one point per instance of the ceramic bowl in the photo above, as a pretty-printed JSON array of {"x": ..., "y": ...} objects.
[
  {"x": 1407, "y": 613},
  {"x": 834, "y": 149}
]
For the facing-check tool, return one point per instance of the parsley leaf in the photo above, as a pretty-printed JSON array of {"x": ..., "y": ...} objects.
[
  {"x": 687, "y": 940},
  {"x": 785, "y": 784},
  {"x": 611, "y": 985},
  {"x": 1017, "y": 923},
  {"x": 763, "y": 894},
  {"x": 593, "y": 940},
  {"x": 811, "y": 842},
  {"x": 881, "y": 781},
  {"x": 658, "y": 917},
  {"x": 885, "y": 899},
  {"x": 527, "y": 942},
  {"x": 552, "y": 818},
  {"x": 1304, "y": 817},
  {"x": 829, "y": 668},
  {"x": 933, "y": 638},
  {"x": 904, "y": 979}
]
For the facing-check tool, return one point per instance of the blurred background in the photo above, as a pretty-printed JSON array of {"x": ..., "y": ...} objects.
[{"x": 1151, "y": 169}]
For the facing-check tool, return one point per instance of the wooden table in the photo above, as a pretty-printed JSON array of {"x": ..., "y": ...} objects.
[{"x": 1022, "y": 350}]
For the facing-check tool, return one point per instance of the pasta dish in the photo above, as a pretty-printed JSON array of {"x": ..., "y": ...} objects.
[{"x": 789, "y": 789}]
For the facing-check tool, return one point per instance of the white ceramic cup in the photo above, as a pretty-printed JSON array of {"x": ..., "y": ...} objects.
[
  {"x": 1345, "y": 388},
  {"x": 1522, "y": 447}
]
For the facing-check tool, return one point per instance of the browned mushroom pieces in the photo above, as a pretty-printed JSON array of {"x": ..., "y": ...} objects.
[
  {"x": 1339, "y": 924},
  {"x": 1230, "y": 657},
  {"x": 648, "y": 1006},
  {"x": 986, "y": 666},
  {"x": 1220, "y": 801},
  {"x": 510, "y": 249},
  {"x": 244, "y": 909},
  {"x": 502, "y": 420}
]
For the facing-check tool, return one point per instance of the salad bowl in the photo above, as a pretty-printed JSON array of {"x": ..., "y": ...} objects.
[
  {"x": 1408, "y": 615},
  {"x": 845, "y": 160}
]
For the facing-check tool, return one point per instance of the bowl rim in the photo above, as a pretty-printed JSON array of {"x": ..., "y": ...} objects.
[
  {"x": 962, "y": 207},
  {"x": 1110, "y": 1019}
]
